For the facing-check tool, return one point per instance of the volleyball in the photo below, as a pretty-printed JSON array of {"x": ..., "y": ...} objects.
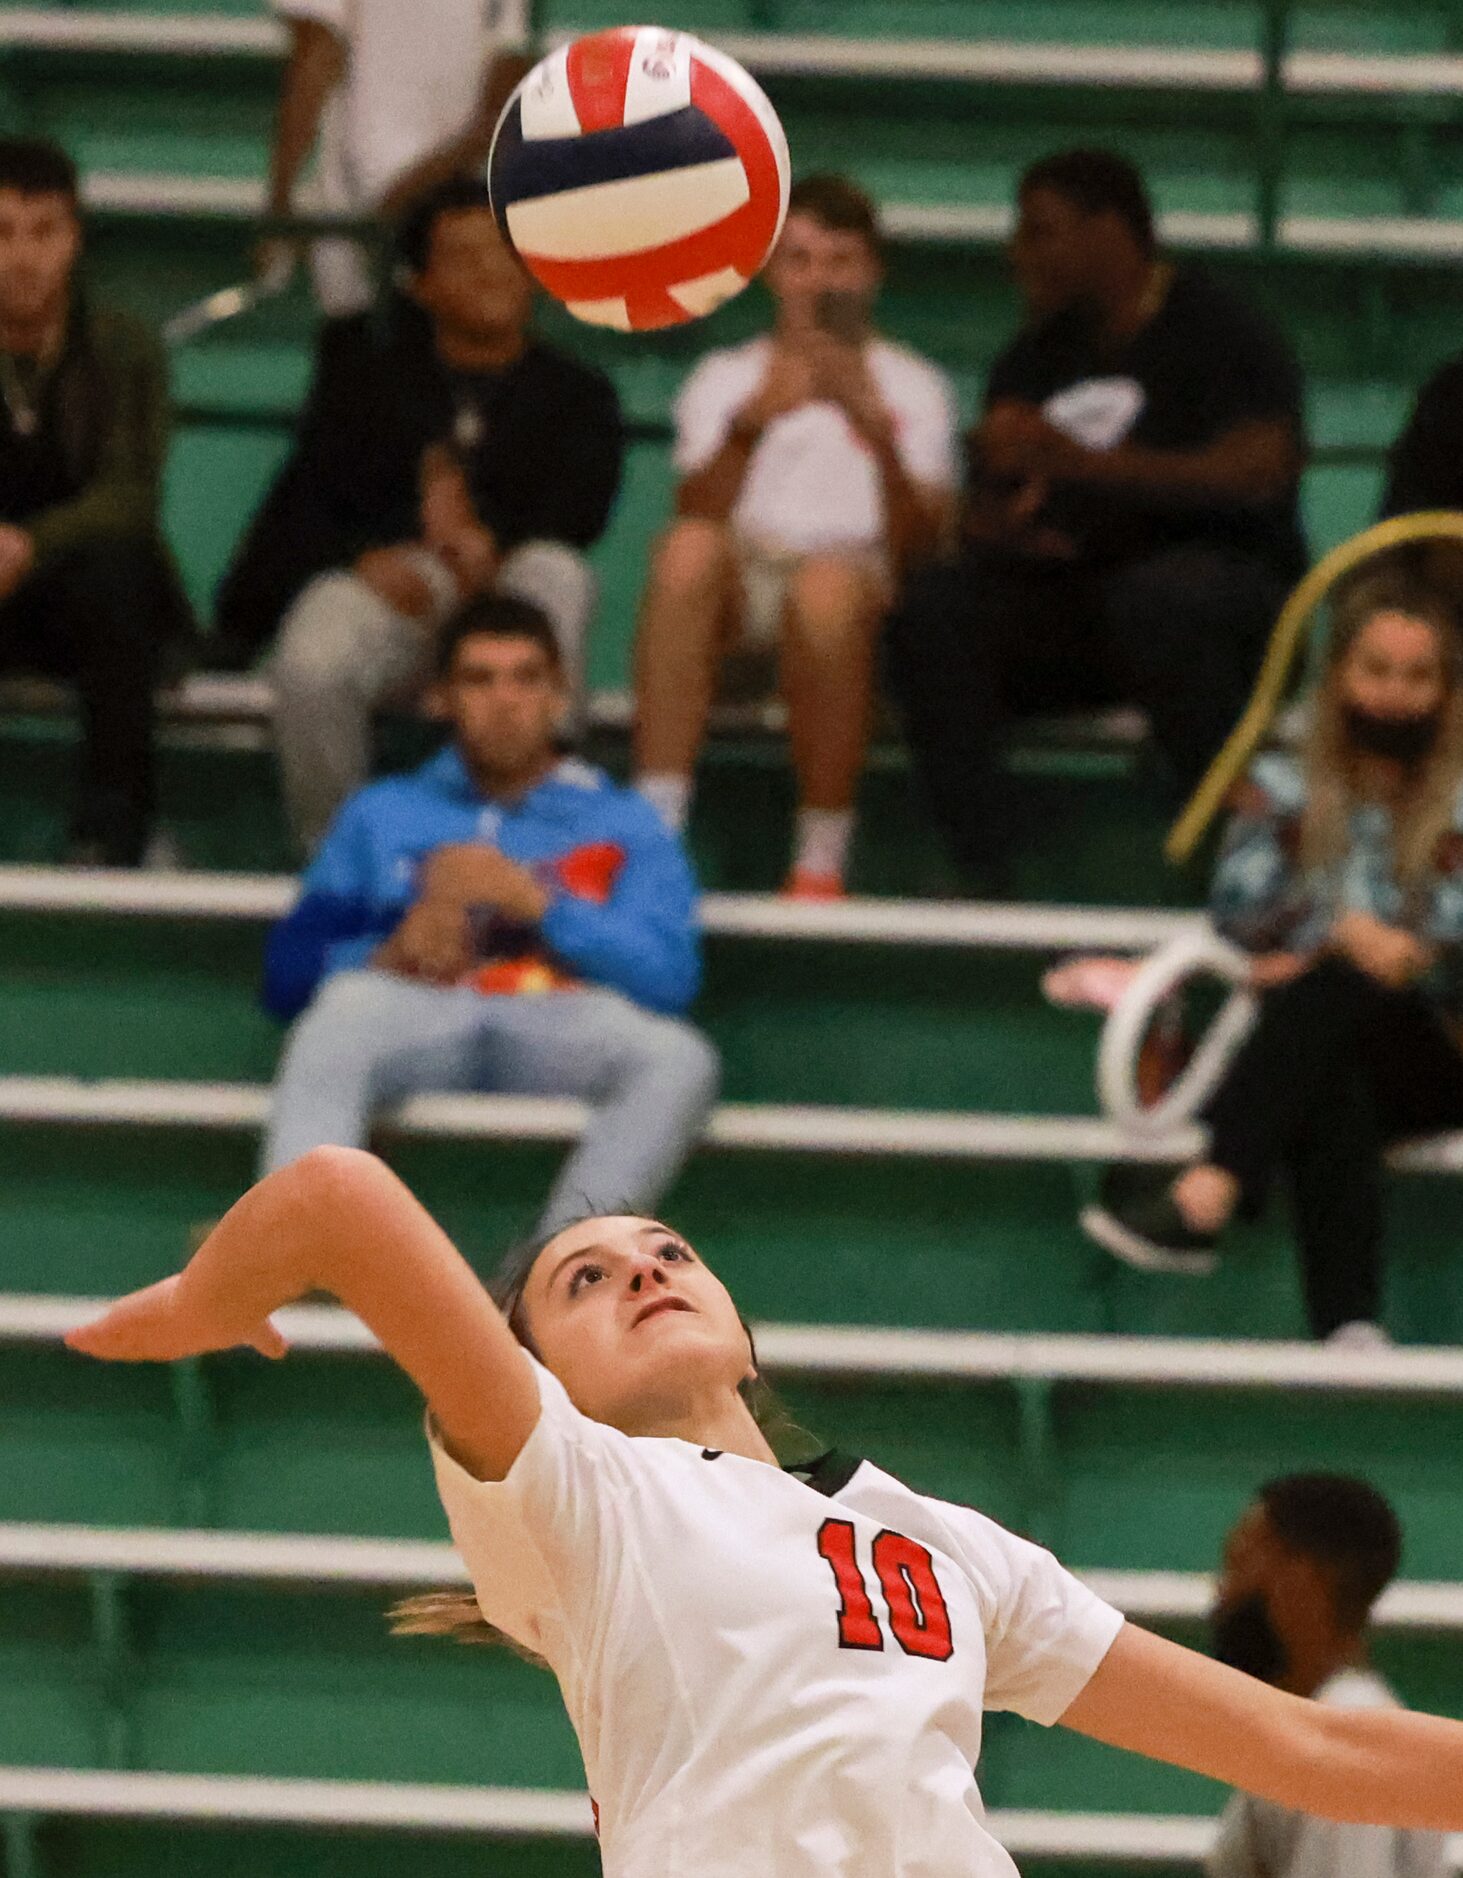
[{"x": 640, "y": 176}]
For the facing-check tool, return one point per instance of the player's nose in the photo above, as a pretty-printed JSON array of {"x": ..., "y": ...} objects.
[{"x": 647, "y": 1271}]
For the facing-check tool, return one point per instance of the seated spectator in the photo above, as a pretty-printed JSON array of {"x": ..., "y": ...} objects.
[
  {"x": 1131, "y": 526},
  {"x": 1343, "y": 874},
  {"x": 1425, "y": 467},
  {"x": 814, "y": 463},
  {"x": 501, "y": 919},
  {"x": 87, "y": 591},
  {"x": 454, "y": 456},
  {"x": 1303, "y": 1568},
  {"x": 393, "y": 100}
]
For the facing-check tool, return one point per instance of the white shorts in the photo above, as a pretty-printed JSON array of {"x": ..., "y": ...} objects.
[{"x": 765, "y": 574}]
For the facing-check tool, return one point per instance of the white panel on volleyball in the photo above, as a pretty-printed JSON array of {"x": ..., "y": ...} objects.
[
  {"x": 612, "y": 313},
  {"x": 547, "y": 104},
  {"x": 703, "y": 296},
  {"x": 747, "y": 88},
  {"x": 631, "y": 215},
  {"x": 660, "y": 75}
]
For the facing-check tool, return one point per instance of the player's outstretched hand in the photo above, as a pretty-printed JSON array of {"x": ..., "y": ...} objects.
[{"x": 155, "y": 1326}]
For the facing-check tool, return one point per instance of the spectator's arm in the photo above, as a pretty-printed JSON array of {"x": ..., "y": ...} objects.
[
  {"x": 333, "y": 925},
  {"x": 1253, "y": 463},
  {"x": 121, "y": 499},
  {"x": 643, "y": 940},
  {"x": 1257, "y": 898},
  {"x": 466, "y": 152},
  {"x": 317, "y": 58}
]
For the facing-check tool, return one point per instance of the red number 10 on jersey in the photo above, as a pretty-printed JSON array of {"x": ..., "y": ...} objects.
[{"x": 918, "y": 1614}]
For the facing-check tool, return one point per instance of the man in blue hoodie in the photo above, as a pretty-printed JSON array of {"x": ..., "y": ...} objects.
[{"x": 498, "y": 920}]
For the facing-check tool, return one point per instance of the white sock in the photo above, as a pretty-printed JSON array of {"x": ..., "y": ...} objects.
[
  {"x": 822, "y": 841},
  {"x": 669, "y": 795}
]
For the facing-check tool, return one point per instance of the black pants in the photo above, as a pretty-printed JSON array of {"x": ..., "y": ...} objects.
[
  {"x": 100, "y": 616},
  {"x": 1336, "y": 1068},
  {"x": 979, "y": 640}
]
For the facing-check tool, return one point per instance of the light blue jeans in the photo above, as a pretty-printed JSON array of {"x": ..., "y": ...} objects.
[{"x": 371, "y": 1038}]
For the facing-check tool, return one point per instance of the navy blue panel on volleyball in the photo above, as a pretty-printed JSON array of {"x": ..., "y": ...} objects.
[{"x": 525, "y": 168}]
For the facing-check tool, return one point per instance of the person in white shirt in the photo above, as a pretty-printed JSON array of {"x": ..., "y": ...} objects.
[
  {"x": 767, "y": 1673},
  {"x": 393, "y": 99},
  {"x": 815, "y": 462},
  {"x": 1303, "y": 1568}
]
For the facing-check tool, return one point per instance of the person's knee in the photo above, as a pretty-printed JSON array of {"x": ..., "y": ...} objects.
[
  {"x": 557, "y": 579},
  {"x": 684, "y": 1058},
  {"x": 345, "y": 1015},
  {"x": 834, "y": 597},
  {"x": 319, "y": 644},
  {"x": 692, "y": 558}
]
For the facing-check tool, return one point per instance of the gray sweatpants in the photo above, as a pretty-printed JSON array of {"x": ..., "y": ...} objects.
[{"x": 343, "y": 652}]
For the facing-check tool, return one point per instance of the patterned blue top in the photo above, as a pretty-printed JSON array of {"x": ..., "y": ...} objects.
[{"x": 1263, "y": 901}]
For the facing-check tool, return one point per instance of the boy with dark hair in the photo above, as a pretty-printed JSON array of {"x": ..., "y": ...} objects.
[
  {"x": 1131, "y": 526},
  {"x": 450, "y": 454},
  {"x": 501, "y": 919},
  {"x": 815, "y": 462},
  {"x": 87, "y": 591},
  {"x": 1303, "y": 1568}
]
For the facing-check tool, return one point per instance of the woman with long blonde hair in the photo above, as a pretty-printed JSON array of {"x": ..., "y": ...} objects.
[
  {"x": 1342, "y": 872},
  {"x": 772, "y": 1674}
]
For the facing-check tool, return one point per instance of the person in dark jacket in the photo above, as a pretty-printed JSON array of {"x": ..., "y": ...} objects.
[
  {"x": 87, "y": 591},
  {"x": 451, "y": 455},
  {"x": 501, "y": 919}
]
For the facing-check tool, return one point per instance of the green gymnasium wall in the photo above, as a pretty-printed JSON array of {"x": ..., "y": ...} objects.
[{"x": 252, "y": 1678}]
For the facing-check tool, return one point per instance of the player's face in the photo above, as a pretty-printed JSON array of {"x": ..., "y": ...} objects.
[
  {"x": 632, "y": 1323},
  {"x": 811, "y": 260},
  {"x": 40, "y": 239},
  {"x": 1053, "y": 251},
  {"x": 471, "y": 283},
  {"x": 503, "y": 698},
  {"x": 1395, "y": 668}
]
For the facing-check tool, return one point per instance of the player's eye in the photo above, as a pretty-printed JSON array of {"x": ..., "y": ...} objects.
[
  {"x": 582, "y": 1275},
  {"x": 673, "y": 1249}
]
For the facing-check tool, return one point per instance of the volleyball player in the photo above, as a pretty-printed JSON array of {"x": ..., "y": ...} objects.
[{"x": 768, "y": 1674}]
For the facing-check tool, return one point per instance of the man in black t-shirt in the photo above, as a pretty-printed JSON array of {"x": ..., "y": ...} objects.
[
  {"x": 445, "y": 456},
  {"x": 1131, "y": 524}
]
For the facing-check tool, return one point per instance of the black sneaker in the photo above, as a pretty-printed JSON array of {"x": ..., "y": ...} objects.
[{"x": 1137, "y": 1219}]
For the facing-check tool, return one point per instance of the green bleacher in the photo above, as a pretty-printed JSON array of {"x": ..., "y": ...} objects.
[{"x": 194, "y": 1564}]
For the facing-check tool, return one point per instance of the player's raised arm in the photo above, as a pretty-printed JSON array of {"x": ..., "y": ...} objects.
[
  {"x": 339, "y": 1220},
  {"x": 1366, "y": 1767}
]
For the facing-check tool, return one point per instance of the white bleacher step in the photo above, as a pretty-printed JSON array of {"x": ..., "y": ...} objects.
[
  {"x": 328, "y": 1560},
  {"x": 971, "y": 61},
  {"x": 246, "y": 700},
  {"x": 758, "y": 1127},
  {"x": 52, "y": 1792},
  {"x": 170, "y": 195},
  {"x": 738, "y": 1126},
  {"x": 946, "y": 1356},
  {"x": 859, "y": 921}
]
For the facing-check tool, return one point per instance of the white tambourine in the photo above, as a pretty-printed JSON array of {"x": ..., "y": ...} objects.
[{"x": 1128, "y": 1023}]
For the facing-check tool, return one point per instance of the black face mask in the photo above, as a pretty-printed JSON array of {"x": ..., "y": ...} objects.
[
  {"x": 1244, "y": 1638},
  {"x": 1401, "y": 739}
]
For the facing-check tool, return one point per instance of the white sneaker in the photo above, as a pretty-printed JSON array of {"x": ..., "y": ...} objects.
[{"x": 1360, "y": 1337}]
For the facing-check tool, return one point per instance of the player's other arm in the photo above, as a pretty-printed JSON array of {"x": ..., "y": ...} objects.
[
  {"x": 339, "y": 1220},
  {"x": 1365, "y": 1767}
]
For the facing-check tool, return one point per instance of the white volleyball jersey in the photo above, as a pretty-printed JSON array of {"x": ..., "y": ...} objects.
[{"x": 771, "y": 1676}]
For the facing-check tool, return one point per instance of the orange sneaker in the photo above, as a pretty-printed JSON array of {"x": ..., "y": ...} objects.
[{"x": 803, "y": 884}]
